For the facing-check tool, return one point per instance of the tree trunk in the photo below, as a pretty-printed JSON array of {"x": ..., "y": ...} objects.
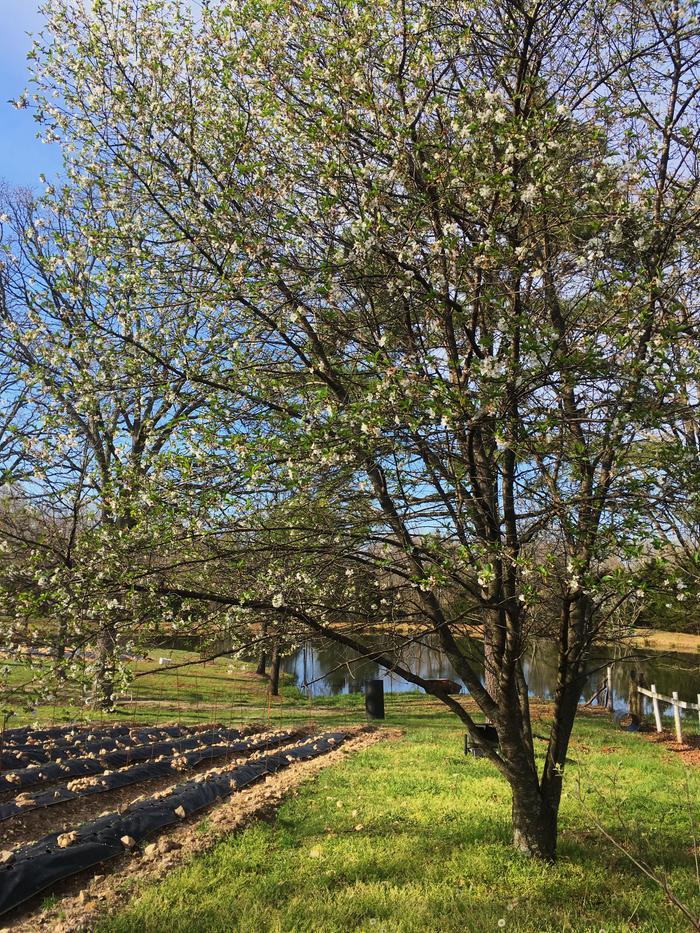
[
  {"x": 275, "y": 671},
  {"x": 490, "y": 670},
  {"x": 262, "y": 657},
  {"x": 494, "y": 628},
  {"x": 59, "y": 650},
  {"x": 534, "y": 822},
  {"x": 634, "y": 697},
  {"x": 103, "y": 680}
]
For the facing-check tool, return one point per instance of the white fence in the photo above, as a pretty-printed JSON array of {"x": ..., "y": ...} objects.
[{"x": 677, "y": 705}]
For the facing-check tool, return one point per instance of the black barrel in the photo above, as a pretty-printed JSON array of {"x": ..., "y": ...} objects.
[{"x": 374, "y": 699}]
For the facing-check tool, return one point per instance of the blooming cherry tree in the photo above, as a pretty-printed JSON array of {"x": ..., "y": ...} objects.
[{"x": 443, "y": 254}]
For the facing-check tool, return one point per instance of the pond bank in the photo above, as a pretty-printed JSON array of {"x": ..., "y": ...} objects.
[
  {"x": 658, "y": 640},
  {"x": 684, "y": 642}
]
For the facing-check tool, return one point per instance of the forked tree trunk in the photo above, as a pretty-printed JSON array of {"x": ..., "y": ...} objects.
[{"x": 536, "y": 804}]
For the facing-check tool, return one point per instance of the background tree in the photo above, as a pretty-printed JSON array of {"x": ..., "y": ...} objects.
[{"x": 106, "y": 424}]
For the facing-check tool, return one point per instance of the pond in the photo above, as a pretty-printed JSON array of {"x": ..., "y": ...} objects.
[{"x": 328, "y": 669}]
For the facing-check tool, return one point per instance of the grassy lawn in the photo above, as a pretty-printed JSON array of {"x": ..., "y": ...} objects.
[
  {"x": 411, "y": 835},
  {"x": 218, "y": 691}
]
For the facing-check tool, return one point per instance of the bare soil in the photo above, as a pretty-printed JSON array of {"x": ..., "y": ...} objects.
[
  {"x": 688, "y": 750},
  {"x": 62, "y": 817},
  {"x": 83, "y": 898}
]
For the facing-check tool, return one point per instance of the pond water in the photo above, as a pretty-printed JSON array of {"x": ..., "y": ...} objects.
[{"x": 328, "y": 669}]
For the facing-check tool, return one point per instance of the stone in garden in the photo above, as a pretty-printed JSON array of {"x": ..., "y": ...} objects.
[{"x": 66, "y": 839}]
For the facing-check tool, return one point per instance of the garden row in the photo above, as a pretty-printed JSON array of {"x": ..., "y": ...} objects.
[
  {"x": 95, "y": 778},
  {"x": 21, "y": 748},
  {"x": 91, "y": 763},
  {"x": 31, "y": 868}
]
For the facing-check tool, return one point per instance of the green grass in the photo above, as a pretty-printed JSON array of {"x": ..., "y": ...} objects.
[
  {"x": 433, "y": 852},
  {"x": 223, "y": 690},
  {"x": 220, "y": 690}
]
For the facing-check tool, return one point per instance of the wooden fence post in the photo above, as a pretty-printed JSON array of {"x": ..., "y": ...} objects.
[
  {"x": 677, "y": 717},
  {"x": 655, "y": 704}
]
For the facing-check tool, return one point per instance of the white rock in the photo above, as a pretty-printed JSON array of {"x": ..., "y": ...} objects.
[{"x": 66, "y": 839}]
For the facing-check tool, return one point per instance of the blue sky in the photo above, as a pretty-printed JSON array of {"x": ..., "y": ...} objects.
[{"x": 22, "y": 155}]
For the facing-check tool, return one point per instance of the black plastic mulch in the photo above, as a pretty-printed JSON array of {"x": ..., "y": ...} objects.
[
  {"x": 20, "y": 733},
  {"x": 147, "y": 771},
  {"x": 38, "y": 866},
  {"x": 72, "y": 746},
  {"x": 52, "y": 771}
]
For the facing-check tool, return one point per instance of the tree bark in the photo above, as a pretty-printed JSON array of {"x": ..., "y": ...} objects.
[
  {"x": 494, "y": 628},
  {"x": 262, "y": 657},
  {"x": 59, "y": 650},
  {"x": 534, "y": 821},
  {"x": 275, "y": 671},
  {"x": 490, "y": 663},
  {"x": 103, "y": 681}
]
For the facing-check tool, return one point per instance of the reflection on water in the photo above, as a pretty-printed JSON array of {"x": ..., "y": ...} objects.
[{"x": 328, "y": 669}]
